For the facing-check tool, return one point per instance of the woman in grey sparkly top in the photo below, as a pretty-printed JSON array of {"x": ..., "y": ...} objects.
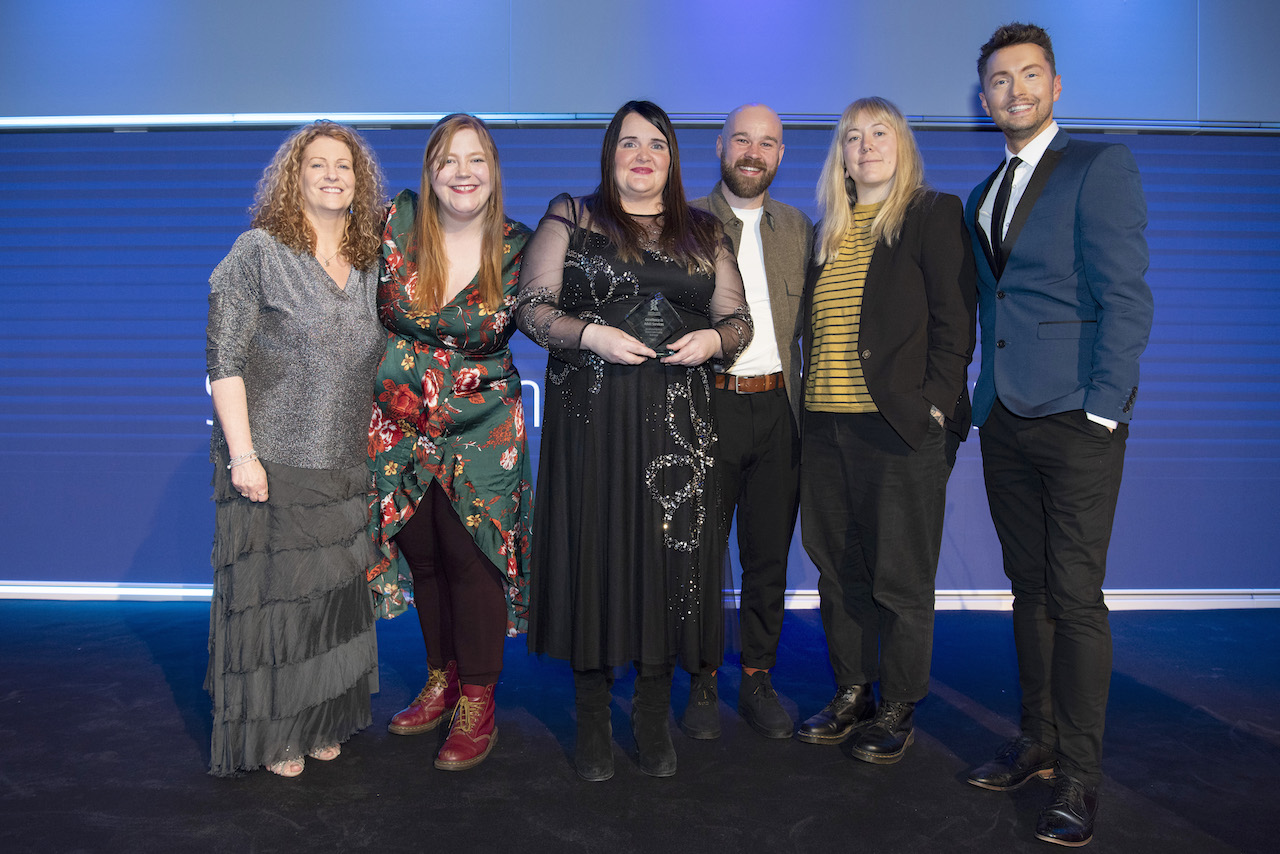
[{"x": 293, "y": 346}]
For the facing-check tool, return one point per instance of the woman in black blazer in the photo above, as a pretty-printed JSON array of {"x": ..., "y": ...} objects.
[{"x": 889, "y": 332}]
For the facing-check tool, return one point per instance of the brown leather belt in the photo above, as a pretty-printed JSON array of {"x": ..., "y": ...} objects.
[{"x": 750, "y": 385}]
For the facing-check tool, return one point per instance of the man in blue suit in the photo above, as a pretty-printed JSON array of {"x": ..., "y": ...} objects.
[{"x": 1064, "y": 313}]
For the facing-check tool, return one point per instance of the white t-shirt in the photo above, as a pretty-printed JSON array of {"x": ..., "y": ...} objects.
[{"x": 761, "y": 356}]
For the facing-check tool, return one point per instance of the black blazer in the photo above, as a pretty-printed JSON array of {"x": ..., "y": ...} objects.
[{"x": 919, "y": 309}]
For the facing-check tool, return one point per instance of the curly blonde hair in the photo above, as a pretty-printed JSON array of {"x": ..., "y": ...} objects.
[{"x": 277, "y": 206}]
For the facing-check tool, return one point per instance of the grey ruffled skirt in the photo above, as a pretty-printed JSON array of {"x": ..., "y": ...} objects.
[{"x": 293, "y": 654}]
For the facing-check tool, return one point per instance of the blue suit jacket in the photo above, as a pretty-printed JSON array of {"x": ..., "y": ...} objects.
[{"x": 1064, "y": 325}]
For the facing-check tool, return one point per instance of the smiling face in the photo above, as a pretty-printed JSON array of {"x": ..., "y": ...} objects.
[
  {"x": 641, "y": 164},
  {"x": 750, "y": 149},
  {"x": 328, "y": 179},
  {"x": 1018, "y": 92},
  {"x": 461, "y": 182},
  {"x": 870, "y": 157}
]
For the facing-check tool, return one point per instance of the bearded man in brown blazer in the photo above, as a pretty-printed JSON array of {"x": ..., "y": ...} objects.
[{"x": 757, "y": 407}]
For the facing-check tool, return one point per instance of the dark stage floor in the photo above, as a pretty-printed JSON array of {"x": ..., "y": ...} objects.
[{"x": 105, "y": 731}]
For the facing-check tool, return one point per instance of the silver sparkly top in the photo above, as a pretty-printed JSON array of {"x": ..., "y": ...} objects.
[{"x": 307, "y": 350}]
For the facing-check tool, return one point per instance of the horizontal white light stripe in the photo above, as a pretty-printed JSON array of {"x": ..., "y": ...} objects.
[
  {"x": 366, "y": 120},
  {"x": 946, "y": 600}
]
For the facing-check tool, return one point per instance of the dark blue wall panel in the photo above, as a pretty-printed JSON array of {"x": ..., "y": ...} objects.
[{"x": 107, "y": 241}]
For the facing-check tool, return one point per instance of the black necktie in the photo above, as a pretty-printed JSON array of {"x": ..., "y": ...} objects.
[{"x": 998, "y": 211}]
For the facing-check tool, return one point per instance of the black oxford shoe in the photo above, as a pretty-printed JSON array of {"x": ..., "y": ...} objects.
[
  {"x": 1016, "y": 763},
  {"x": 1068, "y": 820},
  {"x": 852, "y": 706},
  {"x": 888, "y": 735}
]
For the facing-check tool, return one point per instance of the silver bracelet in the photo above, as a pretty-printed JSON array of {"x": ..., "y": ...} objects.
[{"x": 242, "y": 459}]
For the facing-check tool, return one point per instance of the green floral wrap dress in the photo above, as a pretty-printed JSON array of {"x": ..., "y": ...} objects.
[{"x": 448, "y": 409}]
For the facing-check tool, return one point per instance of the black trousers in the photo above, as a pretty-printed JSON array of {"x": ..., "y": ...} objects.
[
  {"x": 758, "y": 469},
  {"x": 1052, "y": 483},
  {"x": 457, "y": 591},
  {"x": 871, "y": 512}
]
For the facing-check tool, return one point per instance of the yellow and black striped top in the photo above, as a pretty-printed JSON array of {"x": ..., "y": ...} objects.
[{"x": 835, "y": 382}]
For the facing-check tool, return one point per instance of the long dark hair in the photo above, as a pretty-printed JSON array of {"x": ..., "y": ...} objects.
[{"x": 689, "y": 236}]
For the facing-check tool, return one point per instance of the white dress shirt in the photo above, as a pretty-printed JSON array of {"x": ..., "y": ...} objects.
[{"x": 1030, "y": 155}]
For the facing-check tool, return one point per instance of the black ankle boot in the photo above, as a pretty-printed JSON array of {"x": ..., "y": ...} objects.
[
  {"x": 593, "y": 752},
  {"x": 852, "y": 707},
  {"x": 650, "y": 721},
  {"x": 887, "y": 737}
]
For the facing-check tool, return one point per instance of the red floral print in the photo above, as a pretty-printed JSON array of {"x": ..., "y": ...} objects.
[{"x": 448, "y": 412}]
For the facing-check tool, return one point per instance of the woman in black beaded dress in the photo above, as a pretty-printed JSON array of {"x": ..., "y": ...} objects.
[{"x": 626, "y": 565}]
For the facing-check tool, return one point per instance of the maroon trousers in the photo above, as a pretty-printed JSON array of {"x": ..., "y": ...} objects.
[{"x": 458, "y": 592}]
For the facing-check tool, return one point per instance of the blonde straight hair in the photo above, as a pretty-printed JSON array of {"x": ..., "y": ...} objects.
[
  {"x": 428, "y": 242},
  {"x": 837, "y": 194}
]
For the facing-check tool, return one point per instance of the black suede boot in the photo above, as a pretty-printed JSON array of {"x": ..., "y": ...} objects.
[
  {"x": 593, "y": 752},
  {"x": 650, "y": 721}
]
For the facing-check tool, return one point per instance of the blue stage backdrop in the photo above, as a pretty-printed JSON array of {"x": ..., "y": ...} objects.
[{"x": 107, "y": 241}]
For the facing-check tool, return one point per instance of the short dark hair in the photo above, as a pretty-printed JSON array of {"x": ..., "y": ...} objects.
[{"x": 1014, "y": 34}]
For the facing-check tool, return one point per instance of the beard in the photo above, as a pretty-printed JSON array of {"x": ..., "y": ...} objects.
[{"x": 742, "y": 186}]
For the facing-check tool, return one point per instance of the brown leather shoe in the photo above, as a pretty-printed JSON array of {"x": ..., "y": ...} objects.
[
  {"x": 472, "y": 734},
  {"x": 1016, "y": 763},
  {"x": 436, "y": 699}
]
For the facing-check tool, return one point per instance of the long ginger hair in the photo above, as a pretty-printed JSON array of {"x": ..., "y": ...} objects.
[{"x": 428, "y": 237}]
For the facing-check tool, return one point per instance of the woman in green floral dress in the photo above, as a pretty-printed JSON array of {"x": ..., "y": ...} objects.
[{"x": 447, "y": 441}]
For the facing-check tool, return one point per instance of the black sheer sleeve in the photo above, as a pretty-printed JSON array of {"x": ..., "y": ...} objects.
[
  {"x": 538, "y": 311},
  {"x": 539, "y": 308},
  {"x": 730, "y": 316}
]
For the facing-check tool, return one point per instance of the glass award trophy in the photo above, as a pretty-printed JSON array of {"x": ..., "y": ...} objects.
[{"x": 654, "y": 322}]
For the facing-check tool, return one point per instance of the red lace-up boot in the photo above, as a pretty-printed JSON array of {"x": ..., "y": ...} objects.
[
  {"x": 472, "y": 734},
  {"x": 435, "y": 700}
]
